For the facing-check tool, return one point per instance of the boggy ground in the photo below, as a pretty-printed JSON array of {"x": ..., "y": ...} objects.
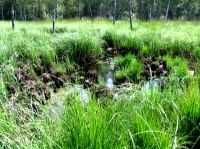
[
  {"x": 36, "y": 65},
  {"x": 47, "y": 79}
]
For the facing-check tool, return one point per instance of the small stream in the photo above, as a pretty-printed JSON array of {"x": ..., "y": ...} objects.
[
  {"x": 109, "y": 81},
  {"x": 150, "y": 85},
  {"x": 106, "y": 72}
]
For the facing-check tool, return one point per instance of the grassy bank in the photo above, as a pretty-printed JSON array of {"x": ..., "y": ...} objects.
[{"x": 31, "y": 58}]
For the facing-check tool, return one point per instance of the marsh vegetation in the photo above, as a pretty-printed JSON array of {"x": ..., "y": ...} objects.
[{"x": 95, "y": 85}]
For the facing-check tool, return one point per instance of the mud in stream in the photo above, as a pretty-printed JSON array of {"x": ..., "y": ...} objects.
[{"x": 95, "y": 78}]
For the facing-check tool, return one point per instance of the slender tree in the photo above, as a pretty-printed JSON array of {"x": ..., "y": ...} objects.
[
  {"x": 79, "y": 9},
  {"x": 160, "y": 8},
  {"x": 24, "y": 13},
  {"x": 56, "y": 9},
  {"x": 130, "y": 15},
  {"x": 21, "y": 13},
  {"x": 91, "y": 14},
  {"x": 150, "y": 9},
  {"x": 167, "y": 10},
  {"x": 13, "y": 15},
  {"x": 53, "y": 17},
  {"x": 114, "y": 13}
]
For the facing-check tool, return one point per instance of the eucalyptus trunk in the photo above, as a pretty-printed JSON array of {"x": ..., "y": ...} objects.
[
  {"x": 13, "y": 16},
  {"x": 56, "y": 9},
  {"x": 53, "y": 18},
  {"x": 79, "y": 9},
  {"x": 91, "y": 14},
  {"x": 130, "y": 15},
  {"x": 24, "y": 14},
  {"x": 167, "y": 10},
  {"x": 150, "y": 10},
  {"x": 114, "y": 14}
]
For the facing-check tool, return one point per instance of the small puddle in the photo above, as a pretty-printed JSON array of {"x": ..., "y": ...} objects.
[
  {"x": 84, "y": 96},
  {"x": 106, "y": 69},
  {"x": 57, "y": 102},
  {"x": 150, "y": 86},
  {"x": 109, "y": 81}
]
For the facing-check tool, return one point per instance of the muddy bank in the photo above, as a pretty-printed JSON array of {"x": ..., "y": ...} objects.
[{"x": 37, "y": 82}]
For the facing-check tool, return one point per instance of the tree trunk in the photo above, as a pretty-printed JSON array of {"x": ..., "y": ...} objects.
[
  {"x": 13, "y": 16},
  {"x": 160, "y": 8},
  {"x": 130, "y": 15},
  {"x": 167, "y": 11},
  {"x": 24, "y": 13},
  {"x": 188, "y": 9},
  {"x": 149, "y": 9},
  {"x": 56, "y": 9},
  {"x": 36, "y": 10},
  {"x": 91, "y": 14},
  {"x": 79, "y": 9},
  {"x": 2, "y": 14},
  {"x": 114, "y": 14},
  {"x": 53, "y": 18},
  {"x": 123, "y": 9},
  {"x": 150, "y": 13},
  {"x": 21, "y": 13}
]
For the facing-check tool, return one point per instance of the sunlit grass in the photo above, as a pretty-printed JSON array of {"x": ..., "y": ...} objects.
[{"x": 166, "y": 118}]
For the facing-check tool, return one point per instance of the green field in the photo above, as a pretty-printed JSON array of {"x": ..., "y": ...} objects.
[{"x": 153, "y": 100}]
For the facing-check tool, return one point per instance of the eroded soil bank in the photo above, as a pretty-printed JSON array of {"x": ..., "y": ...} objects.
[{"x": 99, "y": 75}]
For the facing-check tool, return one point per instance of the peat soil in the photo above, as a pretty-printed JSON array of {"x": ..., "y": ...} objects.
[
  {"x": 45, "y": 81},
  {"x": 39, "y": 85}
]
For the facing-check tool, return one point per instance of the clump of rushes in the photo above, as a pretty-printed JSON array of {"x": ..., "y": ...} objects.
[
  {"x": 128, "y": 68},
  {"x": 77, "y": 47},
  {"x": 177, "y": 66},
  {"x": 60, "y": 68},
  {"x": 190, "y": 113},
  {"x": 110, "y": 38}
]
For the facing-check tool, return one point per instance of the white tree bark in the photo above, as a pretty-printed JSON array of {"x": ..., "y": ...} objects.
[
  {"x": 130, "y": 15},
  {"x": 53, "y": 17},
  {"x": 114, "y": 15},
  {"x": 56, "y": 9},
  {"x": 13, "y": 16},
  {"x": 91, "y": 14},
  {"x": 167, "y": 10}
]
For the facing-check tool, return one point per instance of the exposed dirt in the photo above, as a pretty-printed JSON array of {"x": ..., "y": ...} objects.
[
  {"x": 38, "y": 86},
  {"x": 38, "y": 93},
  {"x": 154, "y": 68}
]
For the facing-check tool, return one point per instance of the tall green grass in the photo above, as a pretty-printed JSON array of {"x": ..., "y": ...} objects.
[
  {"x": 128, "y": 67},
  {"x": 166, "y": 118},
  {"x": 77, "y": 46}
]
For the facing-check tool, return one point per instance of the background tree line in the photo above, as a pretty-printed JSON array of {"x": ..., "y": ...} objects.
[{"x": 141, "y": 9}]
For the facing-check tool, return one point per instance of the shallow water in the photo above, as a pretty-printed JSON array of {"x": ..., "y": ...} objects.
[
  {"x": 150, "y": 86},
  {"x": 57, "y": 102},
  {"x": 106, "y": 69},
  {"x": 109, "y": 81},
  {"x": 84, "y": 96}
]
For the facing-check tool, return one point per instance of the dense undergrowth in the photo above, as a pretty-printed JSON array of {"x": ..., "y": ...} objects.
[{"x": 31, "y": 57}]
